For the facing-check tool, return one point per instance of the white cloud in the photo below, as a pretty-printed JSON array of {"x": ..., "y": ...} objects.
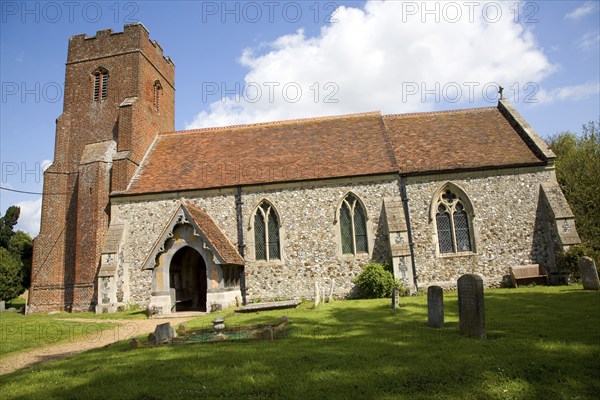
[
  {"x": 571, "y": 93},
  {"x": 45, "y": 164},
  {"x": 586, "y": 8},
  {"x": 589, "y": 41},
  {"x": 383, "y": 57},
  {"x": 31, "y": 214}
]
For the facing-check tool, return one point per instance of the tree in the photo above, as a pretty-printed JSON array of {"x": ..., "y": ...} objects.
[
  {"x": 7, "y": 223},
  {"x": 15, "y": 258},
  {"x": 21, "y": 246},
  {"x": 577, "y": 172},
  {"x": 11, "y": 275}
]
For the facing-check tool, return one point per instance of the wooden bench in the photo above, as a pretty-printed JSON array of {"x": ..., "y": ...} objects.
[{"x": 524, "y": 274}]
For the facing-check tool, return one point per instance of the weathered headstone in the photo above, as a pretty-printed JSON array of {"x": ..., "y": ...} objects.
[
  {"x": 317, "y": 294},
  {"x": 163, "y": 333},
  {"x": 182, "y": 329},
  {"x": 135, "y": 344},
  {"x": 2, "y": 305},
  {"x": 331, "y": 290},
  {"x": 395, "y": 298},
  {"x": 471, "y": 311},
  {"x": 588, "y": 273},
  {"x": 435, "y": 306}
]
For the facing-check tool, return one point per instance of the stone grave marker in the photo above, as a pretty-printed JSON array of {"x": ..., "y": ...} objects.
[
  {"x": 435, "y": 306},
  {"x": 163, "y": 333},
  {"x": 588, "y": 273},
  {"x": 2, "y": 305},
  {"x": 331, "y": 290},
  {"x": 317, "y": 295},
  {"x": 471, "y": 311},
  {"x": 395, "y": 298}
]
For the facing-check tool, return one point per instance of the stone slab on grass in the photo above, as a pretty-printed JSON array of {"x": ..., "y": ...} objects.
[{"x": 276, "y": 305}]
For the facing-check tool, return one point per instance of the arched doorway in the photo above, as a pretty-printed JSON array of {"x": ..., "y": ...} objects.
[{"x": 187, "y": 277}]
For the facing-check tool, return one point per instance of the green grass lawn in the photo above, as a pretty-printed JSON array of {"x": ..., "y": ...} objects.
[
  {"x": 543, "y": 343},
  {"x": 19, "y": 332}
]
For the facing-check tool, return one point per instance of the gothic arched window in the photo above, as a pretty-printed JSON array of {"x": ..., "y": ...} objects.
[
  {"x": 100, "y": 84},
  {"x": 157, "y": 95},
  {"x": 453, "y": 223},
  {"x": 353, "y": 226},
  {"x": 266, "y": 233}
]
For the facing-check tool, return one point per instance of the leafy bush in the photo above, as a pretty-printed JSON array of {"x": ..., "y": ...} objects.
[
  {"x": 568, "y": 260},
  {"x": 11, "y": 276},
  {"x": 375, "y": 281}
]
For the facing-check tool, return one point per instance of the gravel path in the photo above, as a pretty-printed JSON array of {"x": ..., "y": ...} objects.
[{"x": 126, "y": 329}]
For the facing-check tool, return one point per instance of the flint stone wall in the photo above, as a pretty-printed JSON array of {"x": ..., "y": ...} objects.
[
  {"x": 310, "y": 237},
  {"x": 508, "y": 230},
  {"x": 508, "y": 225}
]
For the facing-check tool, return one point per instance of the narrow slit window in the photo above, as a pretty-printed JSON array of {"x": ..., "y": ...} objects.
[{"x": 157, "y": 95}]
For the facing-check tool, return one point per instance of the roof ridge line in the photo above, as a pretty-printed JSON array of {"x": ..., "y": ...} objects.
[
  {"x": 270, "y": 123},
  {"x": 461, "y": 110}
]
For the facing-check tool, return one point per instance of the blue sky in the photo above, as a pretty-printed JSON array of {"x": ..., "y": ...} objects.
[{"x": 293, "y": 59}]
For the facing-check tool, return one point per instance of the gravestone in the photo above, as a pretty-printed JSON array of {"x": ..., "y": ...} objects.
[
  {"x": 331, "y": 290},
  {"x": 2, "y": 305},
  {"x": 588, "y": 273},
  {"x": 317, "y": 294},
  {"x": 163, "y": 333},
  {"x": 471, "y": 311},
  {"x": 395, "y": 298},
  {"x": 435, "y": 306}
]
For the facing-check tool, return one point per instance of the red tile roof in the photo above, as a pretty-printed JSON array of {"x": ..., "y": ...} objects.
[
  {"x": 452, "y": 140},
  {"x": 331, "y": 147},
  {"x": 315, "y": 148},
  {"x": 214, "y": 235}
]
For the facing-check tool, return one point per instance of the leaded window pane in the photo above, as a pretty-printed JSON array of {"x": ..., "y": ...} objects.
[
  {"x": 273, "y": 236},
  {"x": 259, "y": 237},
  {"x": 461, "y": 226},
  {"x": 346, "y": 230},
  {"x": 360, "y": 229},
  {"x": 444, "y": 230}
]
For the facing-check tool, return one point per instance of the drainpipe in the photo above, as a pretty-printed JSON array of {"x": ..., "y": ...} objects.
[
  {"x": 240, "y": 237},
  {"x": 411, "y": 245}
]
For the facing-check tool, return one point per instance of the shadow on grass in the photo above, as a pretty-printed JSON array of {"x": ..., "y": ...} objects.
[{"x": 357, "y": 350}]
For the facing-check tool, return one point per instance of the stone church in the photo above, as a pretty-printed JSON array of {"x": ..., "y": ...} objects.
[{"x": 137, "y": 213}]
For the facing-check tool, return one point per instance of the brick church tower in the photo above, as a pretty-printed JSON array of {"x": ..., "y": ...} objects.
[{"x": 119, "y": 93}]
